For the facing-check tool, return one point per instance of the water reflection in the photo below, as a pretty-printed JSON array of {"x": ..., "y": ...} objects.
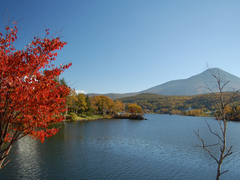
[
  {"x": 164, "y": 147},
  {"x": 28, "y": 160}
]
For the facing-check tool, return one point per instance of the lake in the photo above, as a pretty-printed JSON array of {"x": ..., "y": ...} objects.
[{"x": 162, "y": 147}]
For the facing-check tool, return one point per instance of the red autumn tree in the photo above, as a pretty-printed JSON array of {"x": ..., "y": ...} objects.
[{"x": 30, "y": 99}]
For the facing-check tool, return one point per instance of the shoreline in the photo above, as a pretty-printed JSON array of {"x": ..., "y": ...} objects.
[{"x": 69, "y": 118}]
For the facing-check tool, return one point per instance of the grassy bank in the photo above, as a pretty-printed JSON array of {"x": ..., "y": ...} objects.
[{"x": 77, "y": 117}]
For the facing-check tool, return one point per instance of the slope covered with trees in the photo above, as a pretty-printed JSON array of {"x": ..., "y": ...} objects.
[{"x": 155, "y": 103}]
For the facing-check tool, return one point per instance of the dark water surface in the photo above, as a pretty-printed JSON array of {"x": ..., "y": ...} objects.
[{"x": 163, "y": 147}]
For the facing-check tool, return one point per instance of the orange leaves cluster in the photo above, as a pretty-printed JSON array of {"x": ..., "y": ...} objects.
[
  {"x": 30, "y": 99},
  {"x": 101, "y": 102},
  {"x": 134, "y": 108}
]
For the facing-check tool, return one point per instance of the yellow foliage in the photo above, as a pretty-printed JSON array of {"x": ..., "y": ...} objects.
[{"x": 133, "y": 108}]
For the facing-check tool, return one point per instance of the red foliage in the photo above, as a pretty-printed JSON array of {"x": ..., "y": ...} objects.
[{"x": 30, "y": 99}]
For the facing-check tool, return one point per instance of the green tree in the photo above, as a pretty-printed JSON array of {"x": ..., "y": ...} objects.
[
  {"x": 72, "y": 101},
  {"x": 88, "y": 106},
  {"x": 81, "y": 103},
  {"x": 63, "y": 82}
]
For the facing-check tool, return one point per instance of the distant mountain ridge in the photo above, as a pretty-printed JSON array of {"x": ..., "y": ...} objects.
[
  {"x": 196, "y": 84},
  {"x": 115, "y": 95},
  {"x": 191, "y": 86}
]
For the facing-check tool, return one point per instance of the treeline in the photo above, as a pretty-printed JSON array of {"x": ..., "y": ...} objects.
[
  {"x": 198, "y": 105},
  {"x": 85, "y": 105}
]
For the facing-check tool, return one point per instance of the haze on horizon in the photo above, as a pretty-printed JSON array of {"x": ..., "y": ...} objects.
[{"x": 132, "y": 45}]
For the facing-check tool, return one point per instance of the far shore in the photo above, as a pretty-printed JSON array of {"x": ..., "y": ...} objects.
[{"x": 74, "y": 117}]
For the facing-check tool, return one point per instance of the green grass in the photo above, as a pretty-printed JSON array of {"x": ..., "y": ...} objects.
[
  {"x": 91, "y": 117},
  {"x": 78, "y": 117}
]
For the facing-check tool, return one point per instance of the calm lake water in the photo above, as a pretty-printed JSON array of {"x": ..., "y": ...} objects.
[{"x": 163, "y": 147}]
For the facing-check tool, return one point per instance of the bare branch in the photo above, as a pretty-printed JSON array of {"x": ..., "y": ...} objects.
[
  {"x": 221, "y": 127},
  {"x": 224, "y": 151},
  {"x": 216, "y": 134},
  {"x": 228, "y": 152},
  {"x": 5, "y": 164},
  {"x": 204, "y": 147},
  {"x": 223, "y": 172}
]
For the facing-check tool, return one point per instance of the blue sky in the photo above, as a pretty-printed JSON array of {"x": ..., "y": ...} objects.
[{"x": 126, "y": 46}]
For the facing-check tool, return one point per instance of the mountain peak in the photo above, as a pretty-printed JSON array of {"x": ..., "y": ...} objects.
[{"x": 195, "y": 84}]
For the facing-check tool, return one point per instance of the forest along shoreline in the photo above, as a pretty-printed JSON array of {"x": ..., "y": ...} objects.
[
  {"x": 75, "y": 117},
  {"x": 84, "y": 108},
  {"x": 80, "y": 107}
]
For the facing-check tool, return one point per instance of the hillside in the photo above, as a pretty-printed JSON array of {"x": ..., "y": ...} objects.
[
  {"x": 167, "y": 104},
  {"x": 144, "y": 96}
]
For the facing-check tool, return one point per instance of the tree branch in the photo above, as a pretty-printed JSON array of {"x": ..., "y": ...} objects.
[{"x": 204, "y": 146}]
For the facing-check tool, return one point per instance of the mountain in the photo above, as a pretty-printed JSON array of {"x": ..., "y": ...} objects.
[
  {"x": 197, "y": 84},
  {"x": 186, "y": 87}
]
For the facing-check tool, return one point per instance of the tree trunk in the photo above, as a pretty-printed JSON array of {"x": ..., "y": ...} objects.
[
  {"x": 3, "y": 158},
  {"x": 222, "y": 150},
  {"x": 66, "y": 113}
]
